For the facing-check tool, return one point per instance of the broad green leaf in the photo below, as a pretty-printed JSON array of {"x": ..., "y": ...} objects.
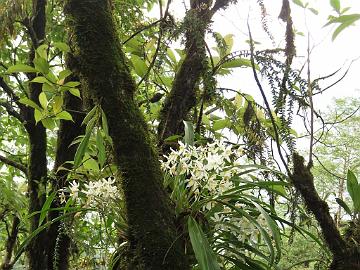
[
  {"x": 29, "y": 103},
  {"x": 64, "y": 115},
  {"x": 46, "y": 207},
  {"x": 339, "y": 29},
  {"x": 101, "y": 148},
  {"x": 351, "y": 18},
  {"x": 71, "y": 84},
  {"x": 61, "y": 46},
  {"x": 221, "y": 124},
  {"x": 64, "y": 73},
  {"x": 40, "y": 79},
  {"x": 234, "y": 63},
  {"x": 43, "y": 100},
  {"x": 48, "y": 123},
  {"x": 189, "y": 133},
  {"x": 37, "y": 115},
  {"x": 336, "y": 5},
  {"x": 41, "y": 65},
  {"x": 58, "y": 102},
  {"x": 203, "y": 252},
  {"x": 21, "y": 68},
  {"x": 139, "y": 65},
  {"x": 171, "y": 55},
  {"x": 48, "y": 88},
  {"x": 90, "y": 163},
  {"x": 75, "y": 92},
  {"x": 42, "y": 51},
  {"x": 344, "y": 205}
]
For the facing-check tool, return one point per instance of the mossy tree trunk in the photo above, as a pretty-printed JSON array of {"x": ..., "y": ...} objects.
[
  {"x": 37, "y": 164},
  {"x": 346, "y": 254},
  {"x": 182, "y": 97},
  {"x": 107, "y": 81}
]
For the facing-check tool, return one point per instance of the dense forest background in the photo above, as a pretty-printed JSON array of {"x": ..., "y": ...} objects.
[{"x": 124, "y": 145}]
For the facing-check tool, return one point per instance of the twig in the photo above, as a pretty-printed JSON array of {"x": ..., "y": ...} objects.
[
  {"x": 311, "y": 103},
  {"x": 266, "y": 101}
]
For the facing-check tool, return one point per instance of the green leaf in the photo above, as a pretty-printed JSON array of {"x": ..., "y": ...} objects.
[
  {"x": 71, "y": 84},
  {"x": 89, "y": 115},
  {"x": 46, "y": 207},
  {"x": 339, "y": 29},
  {"x": 203, "y": 252},
  {"x": 336, "y": 5},
  {"x": 21, "y": 68},
  {"x": 189, "y": 133},
  {"x": 40, "y": 79},
  {"x": 273, "y": 228},
  {"x": 172, "y": 138},
  {"x": 64, "y": 115},
  {"x": 29, "y": 103},
  {"x": 344, "y": 205},
  {"x": 139, "y": 64},
  {"x": 43, "y": 100},
  {"x": 101, "y": 148},
  {"x": 61, "y": 46},
  {"x": 221, "y": 124},
  {"x": 235, "y": 63},
  {"x": 41, "y": 65},
  {"x": 315, "y": 11},
  {"x": 352, "y": 184},
  {"x": 58, "y": 102},
  {"x": 80, "y": 151},
  {"x": 104, "y": 123},
  {"x": 42, "y": 51},
  {"x": 37, "y": 115},
  {"x": 75, "y": 92},
  {"x": 64, "y": 73}
]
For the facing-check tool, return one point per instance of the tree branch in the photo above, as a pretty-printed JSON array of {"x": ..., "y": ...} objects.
[
  {"x": 11, "y": 111},
  {"x": 304, "y": 182},
  {"x": 14, "y": 164}
]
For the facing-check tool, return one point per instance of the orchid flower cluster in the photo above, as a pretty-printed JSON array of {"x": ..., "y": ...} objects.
[
  {"x": 209, "y": 172},
  {"x": 96, "y": 193},
  {"x": 209, "y": 167}
]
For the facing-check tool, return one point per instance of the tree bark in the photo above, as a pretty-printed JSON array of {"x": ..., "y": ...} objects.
[
  {"x": 59, "y": 242},
  {"x": 107, "y": 81},
  {"x": 345, "y": 255},
  {"x": 37, "y": 164},
  {"x": 182, "y": 97}
]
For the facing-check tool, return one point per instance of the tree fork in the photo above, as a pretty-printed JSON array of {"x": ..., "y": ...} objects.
[{"x": 105, "y": 77}]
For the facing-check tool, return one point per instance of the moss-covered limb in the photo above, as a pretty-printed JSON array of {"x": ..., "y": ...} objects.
[
  {"x": 304, "y": 183},
  {"x": 68, "y": 131},
  {"x": 107, "y": 81},
  {"x": 182, "y": 97},
  {"x": 37, "y": 163}
]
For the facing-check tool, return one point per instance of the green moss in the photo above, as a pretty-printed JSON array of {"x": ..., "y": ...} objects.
[{"x": 107, "y": 81}]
